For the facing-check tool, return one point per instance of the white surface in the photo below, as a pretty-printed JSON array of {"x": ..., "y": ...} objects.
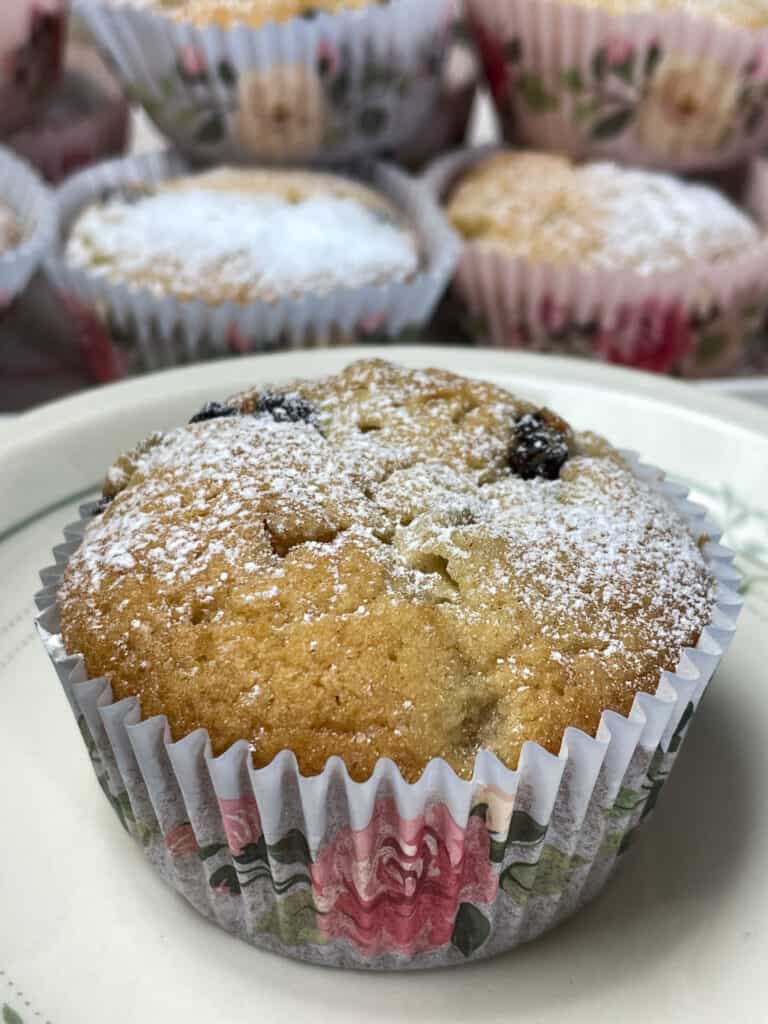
[{"x": 88, "y": 931}]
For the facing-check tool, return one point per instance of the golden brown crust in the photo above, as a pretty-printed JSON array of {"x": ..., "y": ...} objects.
[
  {"x": 548, "y": 209},
  {"x": 372, "y": 579}
]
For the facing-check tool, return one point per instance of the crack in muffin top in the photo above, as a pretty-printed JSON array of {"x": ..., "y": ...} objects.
[{"x": 385, "y": 562}]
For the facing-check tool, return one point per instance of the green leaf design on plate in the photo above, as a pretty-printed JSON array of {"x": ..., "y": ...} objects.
[
  {"x": 212, "y": 130},
  {"x": 535, "y": 94},
  {"x": 291, "y": 849},
  {"x": 524, "y": 830},
  {"x": 293, "y": 920},
  {"x": 573, "y": 80},
  {"x": 210, "y": 850},
  {"x": 471, "y": 929},
  {"x": 613, "y": 125},
  {"x": 225, "y": 877},
  {"x": 10, "y": 1016}
]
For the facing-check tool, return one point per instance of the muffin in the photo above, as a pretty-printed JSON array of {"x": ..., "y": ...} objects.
[
  {"x": 254, "y": 13},
  {"x": 636, "y": 267},
  {"x": 280, "y": 80},
  {"x": 670, "y": 84},
  {"x": 243, "y": 236},
  {"x": 27, "y": 224},
  {"x": 547, "y": 209},
  {"x": 423, "y": 566},
  {"x": 170, "y": 267},
  {"x": 331, "y": 645},
  {"x": 752, "y": 14}
]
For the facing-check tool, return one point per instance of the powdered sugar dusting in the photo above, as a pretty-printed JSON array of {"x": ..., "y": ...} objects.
[
  {"x": 388, "y": 532},
  {"x": 229, "y": 245}
]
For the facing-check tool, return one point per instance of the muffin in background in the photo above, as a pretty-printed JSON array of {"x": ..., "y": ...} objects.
[
  {"x": 628, "y": 265},
  {"x": 32, "y": 38},
  {"x": 241, "y": 236},
  {"x": 253, "y": 13},
  {"x": 322, "y": 83},
  {"x": 658, "y": 83},
  {"x": 246, "y": 259},
  {"x": 385, "y": 562}
]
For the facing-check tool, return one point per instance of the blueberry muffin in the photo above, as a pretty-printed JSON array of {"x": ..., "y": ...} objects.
[
  {"x": 547, "y": 209},
  {"x": 255, "y": 13},
  {"x": 230, "y": 235},
  {"x": 752, "y": 14},
  {"x": 384, "y": 563}
]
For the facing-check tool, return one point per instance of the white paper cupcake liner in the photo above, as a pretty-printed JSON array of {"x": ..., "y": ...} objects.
[
  {"x": 693, "y": 322},
  {"x": 657, "y": 88},
  {"x": 385, "y": 874},
  {"x": 22, "y": 190},
  {"x": 331, "y": 87},
  {"x": 153, "y": 332}
]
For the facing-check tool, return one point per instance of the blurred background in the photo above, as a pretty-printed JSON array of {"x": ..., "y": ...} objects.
[{"x": 62, "y": 108}]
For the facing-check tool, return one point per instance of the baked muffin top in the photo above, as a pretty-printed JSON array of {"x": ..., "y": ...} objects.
[
  {"x": 547, "y": 209},
  {"x": 11, "y": 229},
  {"x": 245, "y": 235},
  {"x": 252, "y": 12},
  {"x": 751, "y": 14},
  {"x": 386, "y": 562}
]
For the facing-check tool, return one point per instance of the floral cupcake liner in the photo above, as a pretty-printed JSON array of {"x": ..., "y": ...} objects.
[
  {"x": 659, "y": 89},
  {"x": 25, "y": 194},
  {"x": 32, "y": 39},
  {"x": 385, "y": 874},
  {"x": 134, "y": 330},
  {"x": 694, "y": 322},
  {"x": 329, "y": 87}
]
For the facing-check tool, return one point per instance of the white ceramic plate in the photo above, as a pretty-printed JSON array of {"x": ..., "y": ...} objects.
[{"x": 89, "y": 933}]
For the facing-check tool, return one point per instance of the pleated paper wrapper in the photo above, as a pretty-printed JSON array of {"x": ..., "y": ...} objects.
[
  {"x": 139, "y": 330},
  {"x": 32, "y": 204},
  {"x": 325, "y": 88},
  {"x": 385, "y": 874},
  {"x": 693, "y": 322},
  {"x": 671, "y": 90}
]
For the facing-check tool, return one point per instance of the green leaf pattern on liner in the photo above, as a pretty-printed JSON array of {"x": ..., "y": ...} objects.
[
  {"x": 471, "y": 929},
  {"x": 293, "y": 920},
  {"x": 203, "y": 105},
  {"x": 549, "y": 875},
  {"x": 11, "y": 1016},
  {"x": 608, "y": 94}
]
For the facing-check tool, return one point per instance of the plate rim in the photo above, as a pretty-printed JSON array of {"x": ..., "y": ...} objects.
[{"x": 37, "y": 424}]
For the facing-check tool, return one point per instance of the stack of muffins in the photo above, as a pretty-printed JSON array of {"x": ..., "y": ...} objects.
[{"x": 586, "y": 236}]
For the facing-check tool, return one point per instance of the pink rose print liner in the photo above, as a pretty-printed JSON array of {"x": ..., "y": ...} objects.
[
  {"x": 667, "y": 89},
  {"x": 355, "y": 83}
]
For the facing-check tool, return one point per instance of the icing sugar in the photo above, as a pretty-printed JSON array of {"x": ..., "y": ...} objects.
[{"x": 219, "y": 246}]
